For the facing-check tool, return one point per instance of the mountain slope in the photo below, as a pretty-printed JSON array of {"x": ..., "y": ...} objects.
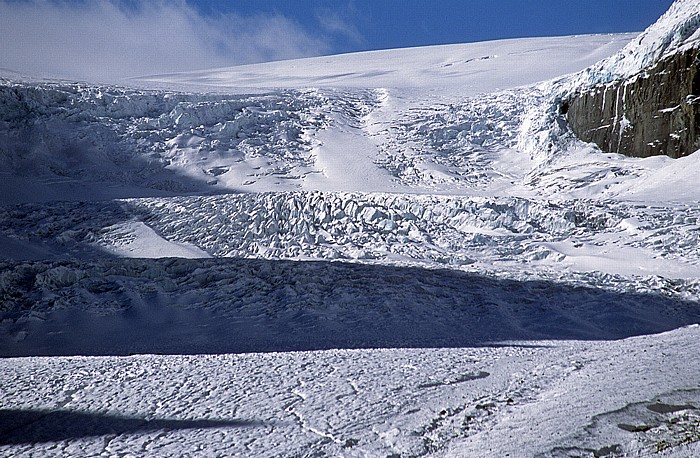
[{"x": 429, "y": 260}]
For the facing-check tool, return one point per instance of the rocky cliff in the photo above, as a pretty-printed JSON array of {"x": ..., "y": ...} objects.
[{"x": 654, "y": 112}]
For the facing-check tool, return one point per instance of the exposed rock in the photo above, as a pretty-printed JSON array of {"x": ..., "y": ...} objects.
[{"x": 654, "y": 112}]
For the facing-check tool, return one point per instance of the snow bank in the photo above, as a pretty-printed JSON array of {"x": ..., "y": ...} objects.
[{"x": 677, "y": 29}]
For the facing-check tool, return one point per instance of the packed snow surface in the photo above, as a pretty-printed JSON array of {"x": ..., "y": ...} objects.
[
  {"x": 548, "y": 398},
  {"x": 394, "y": 253}
]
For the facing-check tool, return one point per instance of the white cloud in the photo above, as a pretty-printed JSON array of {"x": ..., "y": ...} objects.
[
  {"x": 337, "y": 23},
  {"x": 102, "y": 40}
]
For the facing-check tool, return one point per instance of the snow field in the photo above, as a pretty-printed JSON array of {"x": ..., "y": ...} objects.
[
  {"x": 519, "y": 400},
  {"x": 429, "y": 261}
]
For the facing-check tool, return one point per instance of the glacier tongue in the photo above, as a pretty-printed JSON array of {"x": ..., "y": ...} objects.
[{"x": 510, "y": 286}]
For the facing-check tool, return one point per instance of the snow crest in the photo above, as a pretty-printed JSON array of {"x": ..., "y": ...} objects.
[{"x": 677, "y": 29}]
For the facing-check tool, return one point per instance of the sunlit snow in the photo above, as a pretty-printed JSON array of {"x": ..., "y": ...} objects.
[{"x": 393, "y": 253}]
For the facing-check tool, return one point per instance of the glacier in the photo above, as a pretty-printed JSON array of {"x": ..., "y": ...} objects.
[{"x": 391, "y": 253}]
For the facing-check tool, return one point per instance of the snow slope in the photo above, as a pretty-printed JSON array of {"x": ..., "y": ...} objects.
[
  {"x": 394, "y": 253},
  {"x": 468, "y": 69}
]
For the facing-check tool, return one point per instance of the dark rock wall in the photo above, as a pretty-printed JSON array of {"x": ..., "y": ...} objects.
[{"x": 654, "y": 113}]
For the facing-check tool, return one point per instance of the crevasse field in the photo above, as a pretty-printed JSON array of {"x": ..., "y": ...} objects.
[{"x": 396, "y": 253}]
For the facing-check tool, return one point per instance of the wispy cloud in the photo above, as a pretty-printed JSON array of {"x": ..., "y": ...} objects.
[
  {"x": 339, "y": 23},
  {"x": 108, "y": 39}
]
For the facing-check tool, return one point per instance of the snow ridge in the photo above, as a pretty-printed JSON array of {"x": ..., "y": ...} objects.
[{"x": 677, "y": 29}]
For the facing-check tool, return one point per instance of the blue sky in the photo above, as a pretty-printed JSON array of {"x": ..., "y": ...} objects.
[
  {"x": 112, "y": 39},
  {"x": 381, "y": 24}
]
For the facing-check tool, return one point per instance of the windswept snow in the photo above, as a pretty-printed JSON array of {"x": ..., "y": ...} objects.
[
  {"x": 393, "y": 253},
  {"x": 468, "y": 69}
]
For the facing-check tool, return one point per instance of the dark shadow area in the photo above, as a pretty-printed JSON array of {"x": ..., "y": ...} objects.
[
  {"x": 47, "y": 164},
  {"x": 57, "y": 230},
  {"x": 180, "y": 306},
  {"x": 35, "y": 426}
]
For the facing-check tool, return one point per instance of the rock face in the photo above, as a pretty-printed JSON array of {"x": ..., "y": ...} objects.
[{"x": 652, "y": 113}]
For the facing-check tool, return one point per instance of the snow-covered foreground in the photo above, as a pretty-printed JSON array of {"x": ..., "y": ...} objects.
[
  {"x": 400, "y": 253},
  {"x": 636, "y": 397}
]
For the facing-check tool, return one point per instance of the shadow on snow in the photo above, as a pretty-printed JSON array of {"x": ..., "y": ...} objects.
[
  {"x": 35, "y": 426},
  {"x": 179, "y": 306}
]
